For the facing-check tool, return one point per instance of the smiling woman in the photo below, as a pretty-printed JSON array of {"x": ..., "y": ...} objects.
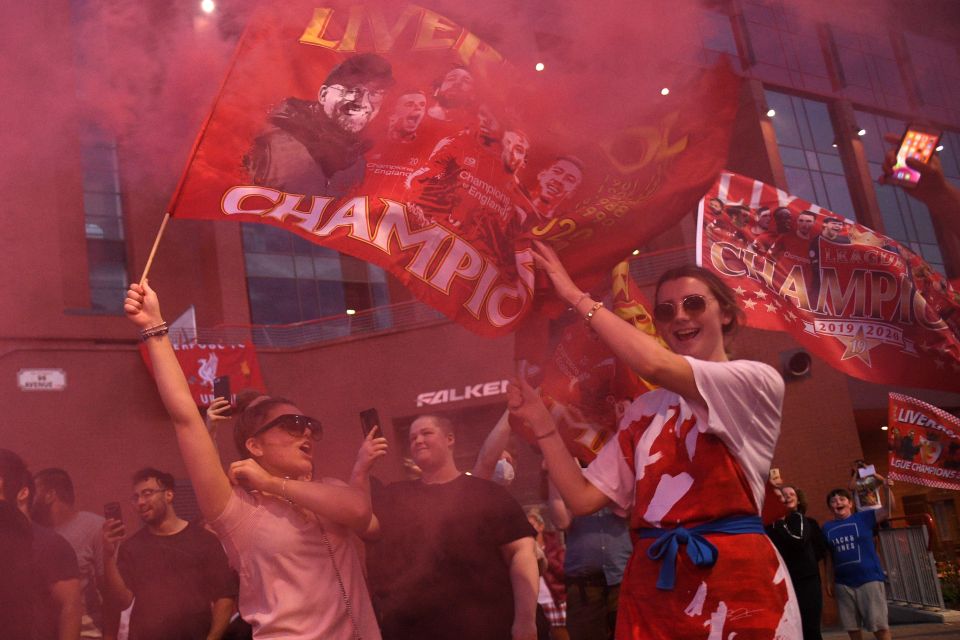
[
  {"x": 689, "y": 465},
  {"x": 287, "y": 535}
]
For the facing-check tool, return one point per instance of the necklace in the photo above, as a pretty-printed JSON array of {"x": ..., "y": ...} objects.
[{"x": 786, "y": 526}]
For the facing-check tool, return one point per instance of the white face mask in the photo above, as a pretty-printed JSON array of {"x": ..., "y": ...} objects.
[{"x": 504, "y": 473}]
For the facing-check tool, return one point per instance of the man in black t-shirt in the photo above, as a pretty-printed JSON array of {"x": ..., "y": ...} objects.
[
  {"x": 455, "y": 556},
  {"x": 39, "y": 576},
  {"x": 176, "y": 570}
]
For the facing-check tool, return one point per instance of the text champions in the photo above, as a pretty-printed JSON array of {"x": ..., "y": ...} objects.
[{"x": 433, "y": 255}]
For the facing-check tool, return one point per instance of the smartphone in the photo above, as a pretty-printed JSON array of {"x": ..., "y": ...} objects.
[
  {"x": 369, "y": 419},
  {"x": 111, "y": 511},
  {"x": 221, "y": 388},
  {"x": 918, "y": 142},
  {"x": 867, "y": 471}
]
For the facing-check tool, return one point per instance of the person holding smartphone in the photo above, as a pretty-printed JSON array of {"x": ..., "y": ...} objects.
[
  {"x": 933, "y": 189},
  {"x": 689, "y": 465},
  {"x": 288, "y": 536}
]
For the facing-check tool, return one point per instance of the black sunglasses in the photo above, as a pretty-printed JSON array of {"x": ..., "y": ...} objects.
[
  {"x": 693, "y": 305},
  {"x": 295, "y": 425}
]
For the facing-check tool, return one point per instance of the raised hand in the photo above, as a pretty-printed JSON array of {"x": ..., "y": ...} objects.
[
  {"x": 373, "y": 448},
  {"x": 932, "y": 181},
  {"x": 250, "y": 475},
  {"x": 524, "y": 402},
  {"x": 142, "y": 306},
  {"x": 548, "y": 260}
]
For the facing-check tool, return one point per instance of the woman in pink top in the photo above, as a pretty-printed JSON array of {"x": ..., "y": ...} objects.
[
  {"x": 688, "y": 466},
  {"x": 287, "y": 536}
]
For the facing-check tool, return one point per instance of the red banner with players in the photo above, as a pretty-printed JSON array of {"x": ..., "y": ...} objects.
[
  {"x": 395, "y": 135},
  {"x": 924, "y": 444},
  {"x": 584, "y": 386},
  {"x": 204, "y": 363},
  {"x": 863, "y": 302}
]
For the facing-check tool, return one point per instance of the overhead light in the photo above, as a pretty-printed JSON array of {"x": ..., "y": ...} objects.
[
  {"x": 940, "y": 148},
  {"x": 771, "y": 113},
  {"x": 539, "y": 66},
  {"x": 208, "y": 6},
  {"x": 834, "y": 145},
  {"x": 351, "y": 312},
  {"x": 636, "y": 252},
  {"x": 883, "y": 428},
  {"x": 664, "y": 91},
  {"x": 862, "y": 132}
]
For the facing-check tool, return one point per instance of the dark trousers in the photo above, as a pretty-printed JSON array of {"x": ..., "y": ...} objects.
[
  {"x": 591, "y": 608},
  {"x": 810, "y": 599}
]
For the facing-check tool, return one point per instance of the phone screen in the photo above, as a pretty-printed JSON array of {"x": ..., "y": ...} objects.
[
  {"x": 368, "y": 420},
  {"x": 918, "y": 143}
]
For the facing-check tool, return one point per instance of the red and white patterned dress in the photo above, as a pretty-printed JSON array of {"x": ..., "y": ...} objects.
[{"x": 674, "y": 463}]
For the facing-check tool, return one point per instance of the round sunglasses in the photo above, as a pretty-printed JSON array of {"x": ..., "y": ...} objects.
[
  {"x": 693, "y": 305},
  {"x": 294, "y": 424}
]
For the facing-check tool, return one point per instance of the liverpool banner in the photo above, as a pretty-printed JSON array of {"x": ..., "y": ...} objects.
[
  {"x": 204, "y": 363},
  {"x": 924, "y": 444},
  {"x": 395, "y": 135},
  {"x": 585, "y": 387},
  {"x": 863, "y": 302}
]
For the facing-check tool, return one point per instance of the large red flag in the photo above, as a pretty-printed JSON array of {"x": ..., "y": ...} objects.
[
  {"x": 924, "y": 444},
  {"x": 863, "y": 302},
  {"x": 397, "y": 136}
]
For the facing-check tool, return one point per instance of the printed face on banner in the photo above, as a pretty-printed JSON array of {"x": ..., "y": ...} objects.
[
  {"x": 392, "y": 134},
  {"x": 865, "y": 303}
]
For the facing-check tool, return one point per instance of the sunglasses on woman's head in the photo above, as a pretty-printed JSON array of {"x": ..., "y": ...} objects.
[
  {"x": 295, "y": 425},
  {"x": 693, "y": 305}
]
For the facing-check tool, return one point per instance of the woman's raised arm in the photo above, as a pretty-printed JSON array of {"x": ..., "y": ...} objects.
[{"x": 209, "y": 480}]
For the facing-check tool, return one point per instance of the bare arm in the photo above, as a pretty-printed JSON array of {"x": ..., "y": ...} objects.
[
  {"x": 639, "y": 351},
  {"x": 557, "y": 508},
  {"x": 493, "y": 446},
  {"x": 521, "y": 558},
  {"x": 222, "y": 610},
  {"x": 196, "y": 446},
  {"x": 331, "y": 499},
  {"x": 373, "y": 448},
  {"x": 66, "y": 596},
  {"x": 577, "y": 492}
]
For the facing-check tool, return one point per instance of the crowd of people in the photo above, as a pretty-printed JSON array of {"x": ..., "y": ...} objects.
[{"x": 664, "y": 535}]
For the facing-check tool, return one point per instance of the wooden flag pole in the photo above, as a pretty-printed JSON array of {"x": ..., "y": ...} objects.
[{"x": 153, "y": 251}]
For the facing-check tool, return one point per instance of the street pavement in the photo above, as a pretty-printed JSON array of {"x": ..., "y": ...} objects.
[{"x": 929, "y": 630}]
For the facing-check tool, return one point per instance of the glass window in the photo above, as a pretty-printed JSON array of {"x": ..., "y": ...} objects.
[
  {"x": 786, "y": 48},
  {"x": 717, "y": 40},
  {"x": 905, "y": 219},
  {"x": 807, "y": 145},
  {"x": 870, "y": 71},
  {"x": 936, "y": 67},
  {"x": 290, "y": 279},
  {"x": 103, "y": 222}
]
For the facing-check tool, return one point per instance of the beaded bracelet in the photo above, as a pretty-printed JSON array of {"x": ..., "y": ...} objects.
[
  {"x": 159, "y": 330},
  {"x": 589, "y": 317}
]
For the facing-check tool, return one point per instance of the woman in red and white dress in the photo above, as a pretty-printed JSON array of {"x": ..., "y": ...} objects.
[{"x": 688, "y": 466}]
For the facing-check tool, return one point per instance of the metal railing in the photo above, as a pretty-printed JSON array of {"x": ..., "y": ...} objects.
[
  {"x": 645, "y": 269},
  {"x": 911, "y": 568}
]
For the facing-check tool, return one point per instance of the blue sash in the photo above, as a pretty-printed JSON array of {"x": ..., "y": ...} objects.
[{"x": 699, "y": 549}]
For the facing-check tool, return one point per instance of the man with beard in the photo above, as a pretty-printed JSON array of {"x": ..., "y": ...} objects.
[
  {"x": 54, "y": 507},
  {"x": 452, "y": 109},
  {"x": 39, "y": 578},
  {"x": 555, "y": 184},
  {"x": 176, "y": 570},
  {"x": 454, "y": 557},
  {"x": 315, "y": 148}
]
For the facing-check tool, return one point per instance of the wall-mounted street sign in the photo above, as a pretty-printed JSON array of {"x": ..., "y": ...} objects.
[{"x": 42, "y": 379}]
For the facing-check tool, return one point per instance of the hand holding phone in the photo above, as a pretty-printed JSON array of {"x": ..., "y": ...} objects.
[
  {"x": 369, "y": 418},
  {"x": 221, "y": 388},
  {"x": 918, "y": 142}
]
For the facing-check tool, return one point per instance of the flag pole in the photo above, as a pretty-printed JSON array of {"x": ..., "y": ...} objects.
[{"x": 156, "y": 243}]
